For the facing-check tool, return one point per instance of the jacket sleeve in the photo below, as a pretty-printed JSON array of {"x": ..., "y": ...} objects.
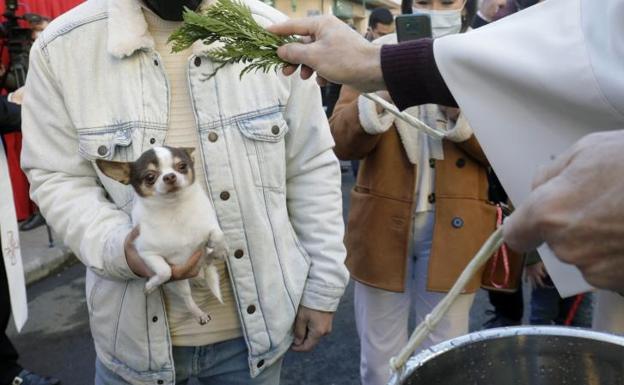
[
  {"x": 352, "y": 141},
  {"x": 314, "y": 196},
  {"x": 10, "y": 116},
  {"x": 65, "y": 185}
]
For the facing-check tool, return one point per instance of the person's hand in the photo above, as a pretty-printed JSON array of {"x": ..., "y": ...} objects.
[
  {"x": 332, "y": 49},
  {"x": 190, "y": 269},
  {"x": 577, "y": 208},
  {"x": 489, "y": 8},
  {"x": 17, "y": 96},
  {"x": 536, "y": 274},
  {"x": 310, "y": 326}
]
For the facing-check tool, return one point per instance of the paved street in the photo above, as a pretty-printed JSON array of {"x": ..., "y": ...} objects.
[{"x": 57, "y": 341}]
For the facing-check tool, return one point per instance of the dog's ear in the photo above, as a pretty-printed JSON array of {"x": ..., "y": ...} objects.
[
  {"x": 190, "y": 151},
  {"x": 119, "y": 171}
]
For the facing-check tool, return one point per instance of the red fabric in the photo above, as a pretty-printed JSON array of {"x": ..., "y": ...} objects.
[{"x": 23, "y": 205}]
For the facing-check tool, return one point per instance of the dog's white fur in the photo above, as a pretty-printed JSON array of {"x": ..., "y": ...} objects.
[{"x": 172, "y": 228}]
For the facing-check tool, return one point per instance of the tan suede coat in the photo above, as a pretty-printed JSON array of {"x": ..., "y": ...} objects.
[{"x": 382, "y": 204}]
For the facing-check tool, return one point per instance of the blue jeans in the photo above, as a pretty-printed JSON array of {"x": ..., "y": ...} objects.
[
  {"x": 548, "y": 308},
  {"x": 224, "y": 363}
]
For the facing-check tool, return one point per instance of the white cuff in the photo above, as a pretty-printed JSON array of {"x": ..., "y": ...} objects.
[
  {"x": 459, "y": 131},
  {"x": 372, "y": 122}
]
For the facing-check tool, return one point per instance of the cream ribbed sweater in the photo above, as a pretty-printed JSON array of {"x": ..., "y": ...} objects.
[{"x": 182, "y": 132}]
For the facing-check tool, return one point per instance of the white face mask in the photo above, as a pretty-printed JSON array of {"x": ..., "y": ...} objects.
[{"x": 443, "y": 22}]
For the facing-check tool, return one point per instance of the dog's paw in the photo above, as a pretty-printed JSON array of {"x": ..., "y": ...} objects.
[{"x": 204, "y": 319}]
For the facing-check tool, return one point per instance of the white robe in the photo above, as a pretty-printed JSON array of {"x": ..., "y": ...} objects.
[
  {"x": 535, "y": 82},
  {"x": 11, "y": 251}
]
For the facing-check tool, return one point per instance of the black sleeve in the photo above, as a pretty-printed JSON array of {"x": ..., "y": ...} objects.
[
  {"x": 479, "y": 22},
  {"x": 10, "y": 116}
]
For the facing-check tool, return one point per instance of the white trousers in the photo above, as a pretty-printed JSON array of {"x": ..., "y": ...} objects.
[
  {"x": 382, "y": 316},
  {"x": 608, "y": 312}
]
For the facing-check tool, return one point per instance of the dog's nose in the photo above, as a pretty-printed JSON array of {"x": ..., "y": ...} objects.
[{"x": 169, "y": 178}]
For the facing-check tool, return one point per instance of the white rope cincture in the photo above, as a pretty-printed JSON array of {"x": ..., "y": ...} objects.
[
  {"x": 431, "y": 320},
  {"x": 404, "y": 116}
]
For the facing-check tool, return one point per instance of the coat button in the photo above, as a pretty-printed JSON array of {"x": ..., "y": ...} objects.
[
  {"x": 238, "y": 254},
  {"x": 224, "y": 195},
  {"x": 152, "y": 140},
  {"x": 160, "y": 382},
  {"x": 260, "y": 364},
  {"x": 213, "y": 137},
  {"x": 461, "y": 162},
  {"x": 431, "y": 198},
  {"x": 154, "y": 319},
  {"x": 102, "y": 150},
  {"x": 457, "y": 222},
  {"x": 156, "y": 62},
  {"x": 432, "y": 163},
  {"x": 197, "y": 61},
  {"x": 275, "y": 130},
  {"x": 251, "y": 309}
]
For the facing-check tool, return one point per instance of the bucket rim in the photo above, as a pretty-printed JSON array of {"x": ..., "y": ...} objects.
[{"x": 425, "y": 356}]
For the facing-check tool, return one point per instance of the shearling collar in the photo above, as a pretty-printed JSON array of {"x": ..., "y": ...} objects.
[{"x": 128, "y": 32}]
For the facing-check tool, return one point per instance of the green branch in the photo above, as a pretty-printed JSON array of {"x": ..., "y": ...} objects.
[{"x": 242, "y": 39}]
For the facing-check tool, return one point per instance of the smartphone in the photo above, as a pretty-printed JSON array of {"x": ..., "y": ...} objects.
[{"x": 411, "y": 27}]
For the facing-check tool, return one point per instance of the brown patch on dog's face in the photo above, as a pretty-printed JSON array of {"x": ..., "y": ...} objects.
[
  {"x": 144, "y": 173},
  {"x": 184, "y": 162}
]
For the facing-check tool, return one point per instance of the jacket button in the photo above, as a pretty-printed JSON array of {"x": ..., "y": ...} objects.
[
  {"x": 461, "y": 162},
  {"x": 238, "y": 254},
  {"x": 431, "y": 198},
  {"x": 197, "y": 61},
  {"x": 154, "y": 319},
  {"x": 152, "y": 140},
  {"x": 224, "y": 195},
  {"x": 251, "y": 309},
  {"x": 275, "y": 130},
  {"x": 457, "y": 222},
  {"x": 160, "y": 382},
  {"x": 260, "y": 364},
  {"x": 432, "y": 163},
  {"x": 156, "y": 62},
  {"x": 213, "y": 137},
  {"x": 102, "y": 150}
]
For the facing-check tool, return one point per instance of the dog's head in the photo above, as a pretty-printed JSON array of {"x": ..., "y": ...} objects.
[{"x": 158, "y": 172}]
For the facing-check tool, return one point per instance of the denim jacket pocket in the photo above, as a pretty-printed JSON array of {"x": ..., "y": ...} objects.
[
  {"x": 263, "y": 137},
  {"x": 109, "y": 144}
]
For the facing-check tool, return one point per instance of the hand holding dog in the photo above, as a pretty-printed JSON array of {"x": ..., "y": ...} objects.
[{"x": 190, "y": 269}]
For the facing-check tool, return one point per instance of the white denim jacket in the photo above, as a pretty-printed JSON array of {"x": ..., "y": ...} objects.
[{"x": 97, "y": 90}]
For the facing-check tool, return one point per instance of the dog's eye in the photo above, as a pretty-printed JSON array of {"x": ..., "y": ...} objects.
[
  {"x": 182, "y": 166},
  {"x": 150, "y": 178}
]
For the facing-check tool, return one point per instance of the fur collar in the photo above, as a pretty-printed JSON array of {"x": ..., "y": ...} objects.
[{"x": 127, "y": 29}]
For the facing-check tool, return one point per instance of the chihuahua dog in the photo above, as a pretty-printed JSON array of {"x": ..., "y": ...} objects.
[{"x": 175, "y": 218}]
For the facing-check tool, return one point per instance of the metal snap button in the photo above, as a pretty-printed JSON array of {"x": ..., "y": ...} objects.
[
  {"x": 154, "y": 319},
  {"x": 238, "y": 254},
  {"x": 251, "y": 309},
  {"x": 102, "y": 150},
  {"x": 213, "y": 137},
  {"x": 432, "y": 163},
  {"x": 457, "y": 222},
  {"x": 260, "y": 364},
  {"x": 275, "y": 130},
  {"x": 152, "y": 140},
  {"x": 225, "y": 195},
  {"x": 431, "y": 198},
  {"x": 197, "y": 61},
  {"x": 156, "y": 62}
]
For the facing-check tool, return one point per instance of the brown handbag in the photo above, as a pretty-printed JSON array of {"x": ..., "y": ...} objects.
[{"x": 503, "y": 271}]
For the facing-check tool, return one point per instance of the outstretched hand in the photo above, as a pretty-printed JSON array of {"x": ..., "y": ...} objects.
[
  {"x": 332, "y": 49},
  {"x": 577, "y": 208}
]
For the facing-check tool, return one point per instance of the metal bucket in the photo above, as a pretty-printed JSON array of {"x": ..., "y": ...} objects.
[{"x": 520, "y": 356}]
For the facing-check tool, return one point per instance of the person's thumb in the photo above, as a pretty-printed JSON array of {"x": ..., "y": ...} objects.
[{"x": 295, "y": 53}]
